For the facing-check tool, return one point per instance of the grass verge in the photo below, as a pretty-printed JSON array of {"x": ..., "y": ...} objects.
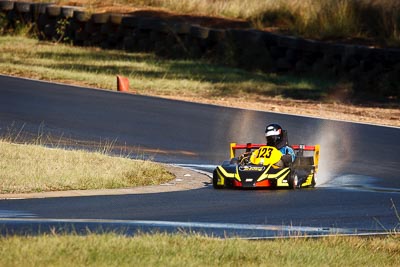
[
  {"x": 181, "y": 250},
  {"x": 149, "y": 74},
  {"x": 29, "y": 168}
]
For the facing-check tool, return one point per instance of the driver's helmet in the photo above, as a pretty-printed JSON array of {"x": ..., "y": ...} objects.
[{"x": 273, "y": 134}]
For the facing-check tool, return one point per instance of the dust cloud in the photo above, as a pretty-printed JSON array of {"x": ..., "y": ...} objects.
[{"x": 335, "y": 150}]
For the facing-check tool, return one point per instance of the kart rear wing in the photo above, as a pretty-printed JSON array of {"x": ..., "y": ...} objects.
[{"x": 299, "y": 149}]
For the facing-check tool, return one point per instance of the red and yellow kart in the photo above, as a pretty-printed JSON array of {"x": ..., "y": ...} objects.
[{"x": 262, "y": 166}]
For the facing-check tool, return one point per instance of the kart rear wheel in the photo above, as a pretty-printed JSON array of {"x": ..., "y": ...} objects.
[
  {"x": 313, "y": 182},
  {"x": 293, "y": 181},
  {"x": 215, "y": 181}
]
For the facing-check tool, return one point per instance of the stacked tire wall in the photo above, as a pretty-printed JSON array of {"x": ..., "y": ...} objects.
[{"x": 373, "y": 72}]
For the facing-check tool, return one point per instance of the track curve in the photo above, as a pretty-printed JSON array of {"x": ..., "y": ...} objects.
[{"x": 359, "y": 178}]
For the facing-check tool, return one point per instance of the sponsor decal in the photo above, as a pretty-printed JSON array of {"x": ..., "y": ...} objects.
[{"x": 251, "y": 168}]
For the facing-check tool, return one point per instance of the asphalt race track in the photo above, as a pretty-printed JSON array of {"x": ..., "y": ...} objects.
[{"x": 358, "y": 185}]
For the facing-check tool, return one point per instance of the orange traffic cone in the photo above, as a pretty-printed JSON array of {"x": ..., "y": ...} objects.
[{"x": 122, "y": 84}]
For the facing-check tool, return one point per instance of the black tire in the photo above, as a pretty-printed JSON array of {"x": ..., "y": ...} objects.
[
  {"x": 199, "y": 32},
  {"x": 216, "y": 35},
  {"x": 22, "y": 7},
  {"x": 152, "y": 24},
  {"x": 67, "y": 12},
  {"x": 100, "y": 18},
  {"x": 130, "y": 21},
  {"x": 81, "y": 16},
  {"x": 182, "y": 28},
  {"x": 215, "y": 181},
  {"x": 313, "y": 182},
  {"x": 116, "y": 18},
  {"x": 53, "y": 11},
  {"x": 39, "y": 8},
  {"x": 293, "y": 180},
  {"x": 6, "y": 5}
]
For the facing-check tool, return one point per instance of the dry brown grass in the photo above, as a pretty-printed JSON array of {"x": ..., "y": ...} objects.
[{"x": 32, "y": 168}]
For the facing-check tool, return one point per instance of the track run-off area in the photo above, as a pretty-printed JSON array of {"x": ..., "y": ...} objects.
[{"x": 358, "y": 183}]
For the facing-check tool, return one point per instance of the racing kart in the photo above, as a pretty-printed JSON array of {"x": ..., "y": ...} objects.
[{"x": 262, "y": 166}]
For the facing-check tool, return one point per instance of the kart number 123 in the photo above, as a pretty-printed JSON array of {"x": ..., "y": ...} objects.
[{"x": 265, "y": 152}]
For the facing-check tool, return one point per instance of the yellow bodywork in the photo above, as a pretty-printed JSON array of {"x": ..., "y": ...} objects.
[
  {"x": 266, "y": 157},
  {"x": 280, "y": 176}
]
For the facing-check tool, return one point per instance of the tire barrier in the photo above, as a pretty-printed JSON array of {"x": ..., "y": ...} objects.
[
  {"x": 6, "y": 5},
  {"x": 373, "y": 71}
]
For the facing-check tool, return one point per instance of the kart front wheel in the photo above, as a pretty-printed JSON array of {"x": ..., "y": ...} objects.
[
  {"x": 215, "y": 181},
  {"x": 293, "y": 181}
]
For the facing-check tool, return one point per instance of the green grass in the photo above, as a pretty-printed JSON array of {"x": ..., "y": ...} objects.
[
  {"x": 148, "y": 74},
  {"x": 33, "y": 168},
  {"x": 181, "y": 250}
]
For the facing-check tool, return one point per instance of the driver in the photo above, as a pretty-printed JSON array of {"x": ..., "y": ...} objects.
[{"x": 277, "y": 137}]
